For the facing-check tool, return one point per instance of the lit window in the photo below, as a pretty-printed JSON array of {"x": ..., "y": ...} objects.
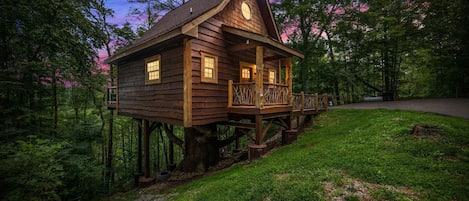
[
  {"x": 246, "y": 74},
  {"x": 209, "y": 68},
  {"x": 153, "y": 70},
  {"x": 272, "y": 76}
]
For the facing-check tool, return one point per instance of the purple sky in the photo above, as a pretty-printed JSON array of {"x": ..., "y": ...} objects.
[{"x": 121, "y": 11}]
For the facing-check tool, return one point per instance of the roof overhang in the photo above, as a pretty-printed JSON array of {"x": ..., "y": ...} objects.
[
  {"x": 264, "y": 40},
  {"x": 129, "y": 50},
  {"x": 189, "y": 29}
]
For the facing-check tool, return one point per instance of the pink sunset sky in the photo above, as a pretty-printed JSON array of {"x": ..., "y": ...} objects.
[{"x": 121, "y": 15}]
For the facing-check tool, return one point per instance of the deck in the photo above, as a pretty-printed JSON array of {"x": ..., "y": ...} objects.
[{"x": 243, "y": 98}]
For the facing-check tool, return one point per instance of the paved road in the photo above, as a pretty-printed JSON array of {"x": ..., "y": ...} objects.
[{"x": 458, "y": 107}]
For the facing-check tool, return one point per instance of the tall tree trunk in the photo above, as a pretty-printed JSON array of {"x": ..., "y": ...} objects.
[
  {"x": 200, "y": 149},
  {"x": 55, "y": 104},
  {"x": 109, "y": 152}
]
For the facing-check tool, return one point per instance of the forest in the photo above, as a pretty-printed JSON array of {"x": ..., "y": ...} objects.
[{"x": 55, "y": 142}]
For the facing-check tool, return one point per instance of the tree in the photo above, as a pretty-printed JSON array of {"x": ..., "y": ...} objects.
[
  {"x": 152, "y": 11},
  {"x": 448, "y": 43},
  {"x": 48, "y": 49}
]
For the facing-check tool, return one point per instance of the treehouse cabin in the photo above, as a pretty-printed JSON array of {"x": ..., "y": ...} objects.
[{"x": 211, "y": 62}]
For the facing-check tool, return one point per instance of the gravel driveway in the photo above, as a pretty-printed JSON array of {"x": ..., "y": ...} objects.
[{"x": 458, "y": 107}]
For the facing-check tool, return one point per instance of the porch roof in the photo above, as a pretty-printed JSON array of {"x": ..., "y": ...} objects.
[{"x": 251, "y": 40}]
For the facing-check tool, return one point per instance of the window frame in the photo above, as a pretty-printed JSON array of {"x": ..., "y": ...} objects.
[
  {"x": 214, "y": 79},
  {"x": 147, "y": 73}
]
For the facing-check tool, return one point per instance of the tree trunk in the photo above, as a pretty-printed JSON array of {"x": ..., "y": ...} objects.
[
  {"x": 200, "y": 149},
  {"x": 109, "y": 152}
]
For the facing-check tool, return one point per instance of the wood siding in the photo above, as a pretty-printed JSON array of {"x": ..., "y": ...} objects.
[
  {"x": 161, "y": 102},
  {"x": 233, "y": 17},
  {"x": 210, "y": 101}
]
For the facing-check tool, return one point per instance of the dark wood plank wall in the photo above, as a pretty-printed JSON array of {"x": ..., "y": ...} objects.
[
  {"x": 210, "y": 101},
  {"x": 161, "y": 102},
  {"x": 232, "y": 16}
]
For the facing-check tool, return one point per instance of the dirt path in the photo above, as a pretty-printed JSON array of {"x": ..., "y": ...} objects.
[{"x": 458, "y": 107}]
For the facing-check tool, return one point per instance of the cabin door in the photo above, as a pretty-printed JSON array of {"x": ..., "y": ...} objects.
[{"x": 247, "y": 72}]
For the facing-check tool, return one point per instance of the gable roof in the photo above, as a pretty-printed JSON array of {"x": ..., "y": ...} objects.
[{"x": 183, "y": 20}]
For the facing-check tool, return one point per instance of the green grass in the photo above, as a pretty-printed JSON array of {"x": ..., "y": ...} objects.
[{"x": 349, "y": 153}]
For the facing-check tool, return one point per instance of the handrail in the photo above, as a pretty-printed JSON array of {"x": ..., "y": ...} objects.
[
  {"x": 244, "y": 94},
  {"x": 302, "y": 102}
]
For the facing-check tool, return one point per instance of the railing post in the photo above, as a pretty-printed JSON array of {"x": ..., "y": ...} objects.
[
  {"x": 316, "y": 102},
  {"x": 230, "y": 93},
  {"x": 302, "y": 101},
  {"x": 325, "y": 101},
  {"x": 259, "y": 76},
  {"x": 289, "y": 79}
]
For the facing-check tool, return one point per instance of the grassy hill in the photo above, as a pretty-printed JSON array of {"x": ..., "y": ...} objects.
[{"x": 349, "y": 155}]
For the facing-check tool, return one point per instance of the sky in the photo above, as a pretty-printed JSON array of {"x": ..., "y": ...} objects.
[{"x": 121, "y": 11}]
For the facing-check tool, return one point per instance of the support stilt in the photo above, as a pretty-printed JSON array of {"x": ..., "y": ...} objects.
[{"x": 146, "y": 180}]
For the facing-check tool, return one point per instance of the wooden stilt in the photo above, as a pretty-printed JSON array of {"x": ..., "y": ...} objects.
[
  {"x": 139, "y": 147},
  {"x": 146, "y": 180},
  {"x": 146, "y": 148},
  {"x": 139, "y": 171},
  {"x": 256, "y": 150}
]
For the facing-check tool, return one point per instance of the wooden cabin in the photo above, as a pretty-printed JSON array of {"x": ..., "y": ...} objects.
[{"x": 211, "y": 62}]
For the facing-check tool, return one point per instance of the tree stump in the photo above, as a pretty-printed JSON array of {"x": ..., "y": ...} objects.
[{"x": 425, "y": 130}]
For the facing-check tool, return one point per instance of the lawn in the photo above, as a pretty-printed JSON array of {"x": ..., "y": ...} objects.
[{"x": 351, "y": 155}]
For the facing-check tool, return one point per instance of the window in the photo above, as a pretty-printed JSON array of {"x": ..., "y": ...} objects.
[
  {"x": 153, "y": 70},
  {"x": 246, "y": 74},
  {"x": 209, "y": 68},
  {"x": 272, "y": 76}
]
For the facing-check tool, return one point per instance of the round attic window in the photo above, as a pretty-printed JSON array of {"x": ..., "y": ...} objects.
[{"x": 246, "y": 10}]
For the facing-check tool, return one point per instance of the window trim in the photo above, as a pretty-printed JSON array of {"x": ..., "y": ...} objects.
[
  {"x": 147, "y": 75},
  {"x": 213, "y": 80}
]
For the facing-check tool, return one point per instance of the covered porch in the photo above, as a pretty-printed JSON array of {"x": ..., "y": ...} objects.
[{"x": 256, "y": 103}]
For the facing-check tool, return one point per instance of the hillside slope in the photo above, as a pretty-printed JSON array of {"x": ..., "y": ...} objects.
[{"x": 350, "y": 155}]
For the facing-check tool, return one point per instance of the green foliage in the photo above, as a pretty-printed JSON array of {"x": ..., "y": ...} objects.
[
  {"x": 371, "y": 147},
  {"x": 367, "y": 48},
  {"x": 33, "y": 170}
]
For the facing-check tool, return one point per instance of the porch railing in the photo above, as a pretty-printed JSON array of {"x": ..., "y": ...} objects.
[
  {"x": 112, "y": 95},
  {"x": 302, "y": 102},
  {"x": 275, "y": 94},
  {"x": 244, "y": 94}
]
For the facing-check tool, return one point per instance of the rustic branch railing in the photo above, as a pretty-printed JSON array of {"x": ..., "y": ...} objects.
[
  {"x": 302, "y": 101},
  {"x": 275, "y": 94},
  {"x": 244, "y": 94}
]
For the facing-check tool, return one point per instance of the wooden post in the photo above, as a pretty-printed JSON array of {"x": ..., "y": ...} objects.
[
  {"x": 187, "y": 83},
  {"x": 146, "y": 147},
  {"x": 171, "y": 155},
  {"x": 302, "y": 102},
  {"x": 325, "y": 101},
  {"x": 289, "y": 79},
  {"x": 230, "y": 93},
  {"x": 139, "y": 146},
  {"x": 259, "y": 76},
  {"x": 259, "y": 129},
  {"x": 280, "y": 81},
  {"x": 316, "y": 101},
  {"x": 257, "y": 149}
]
